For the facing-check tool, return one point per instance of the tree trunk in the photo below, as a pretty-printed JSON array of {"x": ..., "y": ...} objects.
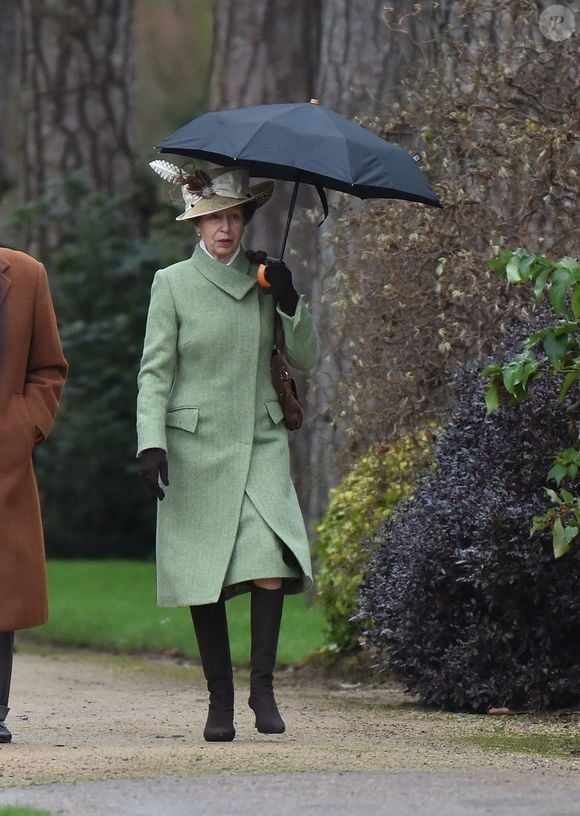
[
  {"x": 363, "y": 62},
  {"x": 76, "y": 79},
  {"x": 9, "y": 60},
  {"x": 265, "y": 51}
]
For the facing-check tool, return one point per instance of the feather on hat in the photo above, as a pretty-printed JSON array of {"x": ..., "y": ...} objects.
[{"x": 205, "y": 192}]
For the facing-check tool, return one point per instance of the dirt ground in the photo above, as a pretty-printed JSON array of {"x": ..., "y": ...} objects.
[{"x": 84, "y": 716}]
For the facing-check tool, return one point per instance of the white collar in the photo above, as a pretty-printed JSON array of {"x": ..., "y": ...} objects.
[{"x": 231, "y": 260}]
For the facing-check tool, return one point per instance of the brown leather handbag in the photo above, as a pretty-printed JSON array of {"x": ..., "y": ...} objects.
[{"x": 284, "y": 384}]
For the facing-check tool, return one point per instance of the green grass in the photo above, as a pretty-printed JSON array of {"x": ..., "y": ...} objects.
[
  {"x": 111, "y": 606},
  {"x": 563, "y": 746},
  {"x": 22, "y": 811}
]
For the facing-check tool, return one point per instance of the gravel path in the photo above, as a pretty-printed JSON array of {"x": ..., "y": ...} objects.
[{"x": 83, "y": 717}]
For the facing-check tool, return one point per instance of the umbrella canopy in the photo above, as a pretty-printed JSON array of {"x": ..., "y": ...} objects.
[{"x": 305, "y": 143}]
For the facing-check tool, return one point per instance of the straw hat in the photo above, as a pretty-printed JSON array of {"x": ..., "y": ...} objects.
[{"x": 209, "y": 191}]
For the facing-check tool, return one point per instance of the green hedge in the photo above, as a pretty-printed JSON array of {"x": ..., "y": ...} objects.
[{"x": 367, "y": 495}]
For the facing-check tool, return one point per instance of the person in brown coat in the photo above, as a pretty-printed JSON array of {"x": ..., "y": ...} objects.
[{"x": 32, "y": 373}]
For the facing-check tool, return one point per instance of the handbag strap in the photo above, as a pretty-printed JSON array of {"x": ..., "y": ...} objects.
[{"x": 278, "y": 332}]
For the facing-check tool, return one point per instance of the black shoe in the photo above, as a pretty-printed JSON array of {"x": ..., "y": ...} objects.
[
  {"x": 220, "y": 716},
  {"x": 5, "y": 735},
  {"x": 268, "y": 719},
  {"x": 216, "y": 729}
]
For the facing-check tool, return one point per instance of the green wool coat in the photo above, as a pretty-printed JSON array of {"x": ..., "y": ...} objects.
[{"x": 206, "y": 397}]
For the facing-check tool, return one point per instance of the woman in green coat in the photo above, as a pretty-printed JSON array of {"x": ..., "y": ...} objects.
[{"x": 211, "y": 431}]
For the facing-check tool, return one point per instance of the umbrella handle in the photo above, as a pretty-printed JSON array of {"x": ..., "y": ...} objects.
[
  {"x": 261, "y": 276},
  {"x": 289, "y": 219}
]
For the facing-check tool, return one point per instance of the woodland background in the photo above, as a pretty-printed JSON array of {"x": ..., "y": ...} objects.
[{"x": 401, "y": 294}]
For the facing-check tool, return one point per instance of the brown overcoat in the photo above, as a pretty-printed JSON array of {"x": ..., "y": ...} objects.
[{"x": 32, "y": 373}]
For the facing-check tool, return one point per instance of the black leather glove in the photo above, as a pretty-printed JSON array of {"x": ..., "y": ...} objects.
[
  {"x": 152, "y": 467},
  {"x": 280, "y": 279},
  {"x": 257, "y": 256}
]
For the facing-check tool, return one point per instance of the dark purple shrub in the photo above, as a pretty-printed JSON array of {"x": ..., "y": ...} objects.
[{"x": 467, "y": 608}]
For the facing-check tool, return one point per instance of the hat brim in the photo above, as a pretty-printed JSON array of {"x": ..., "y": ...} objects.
[{"x": 260, "y": 193}]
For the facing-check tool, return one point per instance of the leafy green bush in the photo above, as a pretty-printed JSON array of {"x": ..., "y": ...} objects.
[
  {"x": 367, "y": 495},
  {"x": 467, "y": 608},
  {"x": 553, "y": 351}
]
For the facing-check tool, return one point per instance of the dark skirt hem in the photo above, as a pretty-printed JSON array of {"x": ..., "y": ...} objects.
[{"x": 291, "y": 586}]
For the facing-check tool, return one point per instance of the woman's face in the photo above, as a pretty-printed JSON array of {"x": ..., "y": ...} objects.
[{"x": 221, "y": 232}]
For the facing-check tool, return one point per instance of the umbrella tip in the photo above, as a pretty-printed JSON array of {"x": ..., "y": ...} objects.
[{"x": 315, "y": 101}]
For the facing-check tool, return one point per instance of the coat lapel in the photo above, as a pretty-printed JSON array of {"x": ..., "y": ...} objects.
[{"x": 235, "y": 280}]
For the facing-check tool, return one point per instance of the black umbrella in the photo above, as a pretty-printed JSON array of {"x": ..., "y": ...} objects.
[{"x": 305, "y": 143}]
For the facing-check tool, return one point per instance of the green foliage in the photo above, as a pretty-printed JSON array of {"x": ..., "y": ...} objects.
[
  {"x": 552, "y": 351},
  {"x": 567, "y": 465},
  {"x": 366, "y": 496},
  {"x": 563, "y": 520},
  {"x": 100, "y": 274},
  {"x": 111, "y": 605}
]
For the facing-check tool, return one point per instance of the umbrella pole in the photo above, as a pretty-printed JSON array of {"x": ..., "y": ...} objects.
[{"x": 289, "y": 219}]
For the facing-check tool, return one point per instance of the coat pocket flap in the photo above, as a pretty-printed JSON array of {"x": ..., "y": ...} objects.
[
  {"x": 183, "y": 418},
  {"x": 275, "y": 410}
]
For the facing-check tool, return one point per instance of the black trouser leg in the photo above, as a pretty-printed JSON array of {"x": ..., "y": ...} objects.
[
  {"x": 211, "y": 629},
  {"x": 266, "y": 615},
  {"x": 6, "y": 651}
]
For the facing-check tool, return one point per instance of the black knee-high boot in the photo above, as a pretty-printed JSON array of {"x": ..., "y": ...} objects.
[
  {"x": 6, "y": 650},
  {"x": 211, "y": 629},
  {"x": 266, "y": 614}
]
